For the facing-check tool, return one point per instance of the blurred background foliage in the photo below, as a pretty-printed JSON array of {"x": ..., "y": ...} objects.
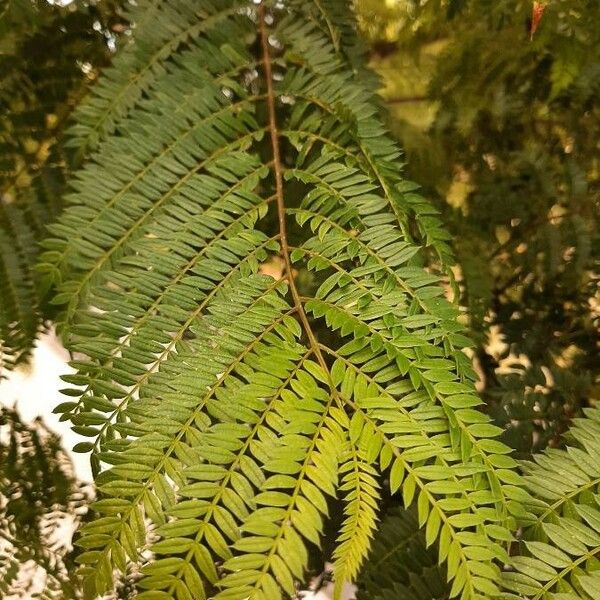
[
  {"x": 402, "y": 566},
  {"x": 41, "y": 502},
  {"x": 49, "y": 56},
  {"x": 501, "y": 129}
]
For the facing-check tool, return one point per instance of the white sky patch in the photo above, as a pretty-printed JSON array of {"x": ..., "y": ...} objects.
[{"x": 34, "y": 390}]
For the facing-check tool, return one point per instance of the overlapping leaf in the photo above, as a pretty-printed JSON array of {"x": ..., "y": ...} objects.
[
  {"x": 247, "y": 276},
  {"x": 401, "y": 565},
  {"x": 561, "y": 543}
]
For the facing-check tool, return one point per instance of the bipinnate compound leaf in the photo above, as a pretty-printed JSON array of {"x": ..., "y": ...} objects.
[{"x": 255, "y": 298}]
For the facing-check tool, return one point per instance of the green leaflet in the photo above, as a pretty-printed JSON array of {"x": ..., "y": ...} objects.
[
  {"x": 228, "y": 401},
  {"x": 162, "y": 29},
  {"x": 561, "y": 538}
]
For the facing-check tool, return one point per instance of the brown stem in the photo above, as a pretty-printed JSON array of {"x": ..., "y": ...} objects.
[{"x": 279, "y": 193}]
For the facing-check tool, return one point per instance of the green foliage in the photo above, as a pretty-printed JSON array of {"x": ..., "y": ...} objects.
[
  {"x": 39, "y": 498},
  {"x": 224, "y": 407},
  {"x": 48, "y": 56},
  {"x": 401, "y": 564},
  {"x": 263, "y": 312},
  {"x": 502, "y": 133},
  {"x": 558, "y": 556},
  {"x": 533, "y": 405}
]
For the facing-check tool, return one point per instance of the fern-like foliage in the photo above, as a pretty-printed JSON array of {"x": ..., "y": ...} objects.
[
  {"x": 39, "y": 501},
  {"x": 559, "y": 554},
  {"x": 48, "y": 56},
  {"x": 403, "y": 562},
  {"x": 535, "y": 406},
  {"x": 256, "y": 295},
  {"x": 502, "y": 131}
]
